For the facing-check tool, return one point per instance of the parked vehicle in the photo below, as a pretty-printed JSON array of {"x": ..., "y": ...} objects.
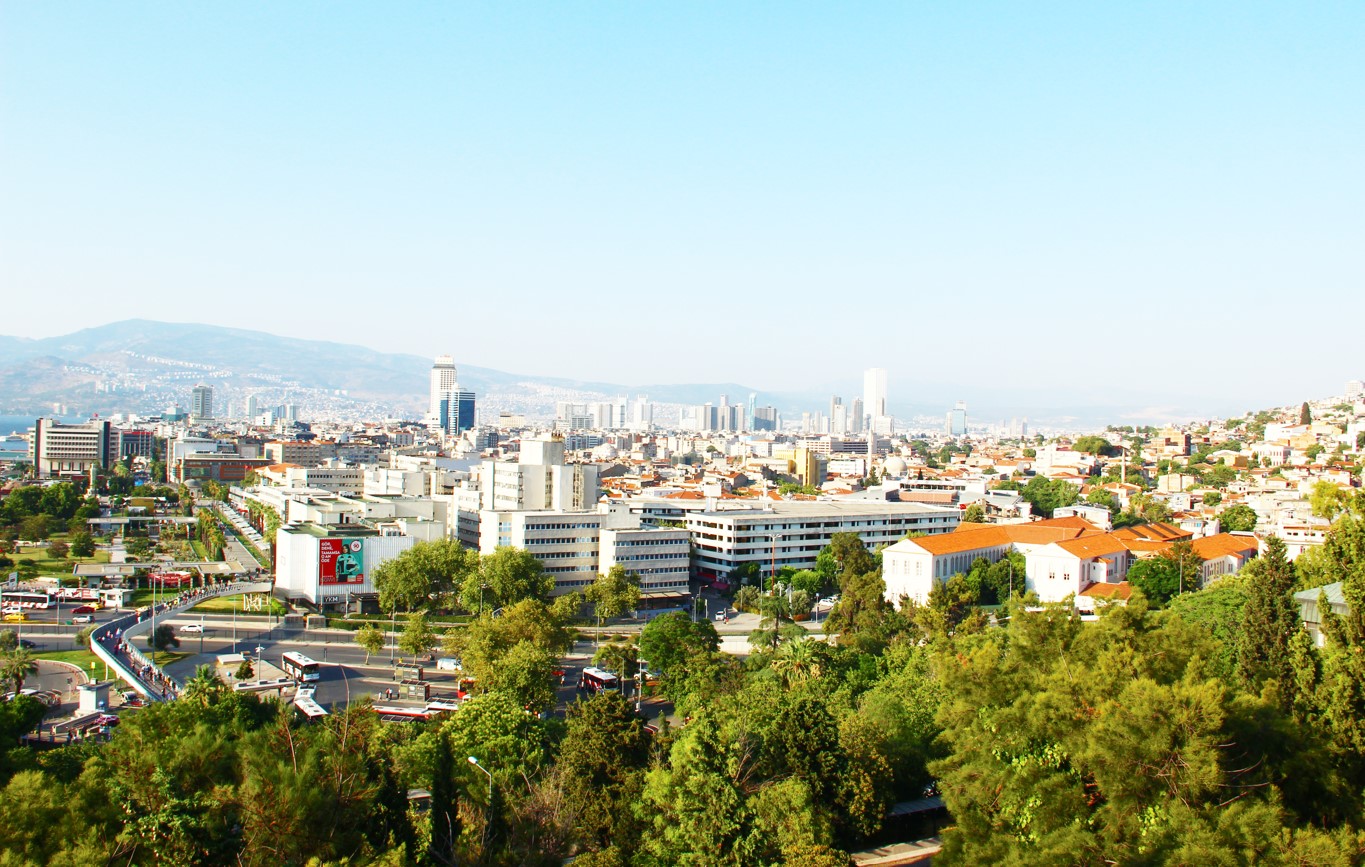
[{"x": 194, "y": 628}]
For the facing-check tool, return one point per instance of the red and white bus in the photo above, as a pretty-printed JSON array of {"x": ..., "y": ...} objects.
[
  {"x": 599, "y": 680},
  {"x": 24, "y": 599},
  {"x": 301, "y": 668}
]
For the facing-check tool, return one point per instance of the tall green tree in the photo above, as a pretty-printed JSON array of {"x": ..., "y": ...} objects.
[
  {"x": 422, "y": 574},
  {"x": 371, "y": 638},
  {"x": 613, "y": 594},
  {"x": 1269, "y": 620}
]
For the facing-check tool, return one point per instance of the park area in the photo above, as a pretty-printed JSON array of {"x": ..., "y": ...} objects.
[{"x": 254, "y": 603}]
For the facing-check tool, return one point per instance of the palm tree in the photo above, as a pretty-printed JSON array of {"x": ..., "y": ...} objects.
[
  {"x": 18, "y": 665},
  {"x": 205, "y": 686},
  {"x": 797, "y": 661}
]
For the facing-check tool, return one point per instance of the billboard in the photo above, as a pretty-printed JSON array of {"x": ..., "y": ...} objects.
[{"x": 341, "y": 561}]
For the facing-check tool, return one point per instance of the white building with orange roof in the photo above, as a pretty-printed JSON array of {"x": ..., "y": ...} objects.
[
  {"x": 1225, "y": 554},
  {"x": 912, "y": 567}
]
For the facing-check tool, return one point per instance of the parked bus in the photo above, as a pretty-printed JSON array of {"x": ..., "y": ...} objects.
[
  {"x": 597, "y": 680},
  {"x": 24, "y": 599},
  {"x": 300, "y": 667},
  {"x": 307, "y": 706}
]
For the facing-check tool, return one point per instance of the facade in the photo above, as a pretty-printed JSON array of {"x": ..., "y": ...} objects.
[
  {"x": 793, "y": 533},
  {"x": 325, "y": 565},
  {"x": 201, "y": 402},
  {"x": 313, "y": 453},
  {"x": 136, "y": 443},
  {"x": 65, "y": 450},
  {"x": 1055, "y": 563},
  {"x": 213, "y": 466},
  {"x": 455, "y": 413},
  {"x": 874, "y": 398},
  {"x": 539, "y": 480},
  {"x": 577, "y": 546},
  {"x": 443, "y": 379}
]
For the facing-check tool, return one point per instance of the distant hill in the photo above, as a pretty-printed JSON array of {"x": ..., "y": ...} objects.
[{"x": 107, "y": 367}]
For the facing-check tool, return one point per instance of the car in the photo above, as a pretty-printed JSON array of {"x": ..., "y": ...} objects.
[
  {"x": 192, "y": 627},
  {"x": 722, "y": 616},
  {"x": 83, "y": 609},
  {"x": 106, "y": 719},
  {"x": 28, "y": 645},
  {"x": 83, "y": 618}
]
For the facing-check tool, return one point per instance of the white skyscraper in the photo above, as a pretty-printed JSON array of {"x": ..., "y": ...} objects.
[
  {"x": 443, "y": 381},
  {"x": 874, "y": 391}
]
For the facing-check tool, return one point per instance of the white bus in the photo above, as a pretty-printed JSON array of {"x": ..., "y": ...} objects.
[{"x": 300, "y": 667}]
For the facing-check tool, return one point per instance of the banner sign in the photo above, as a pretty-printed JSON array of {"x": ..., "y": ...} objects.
[{"x": 341, "y": 561}]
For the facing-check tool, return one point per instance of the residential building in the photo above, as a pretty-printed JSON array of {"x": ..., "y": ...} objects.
[{"x": 303, "y": 453}]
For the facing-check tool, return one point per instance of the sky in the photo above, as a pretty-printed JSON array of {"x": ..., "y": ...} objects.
[{"x": 1153, "y": 203}]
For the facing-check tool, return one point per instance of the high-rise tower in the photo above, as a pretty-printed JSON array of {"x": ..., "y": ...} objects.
[
  {"x": 201, "y": 402},
  {"x": 443, "y": 381}
]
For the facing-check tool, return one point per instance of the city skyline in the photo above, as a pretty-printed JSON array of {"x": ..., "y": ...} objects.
[{"x": 1077, "y": 179}]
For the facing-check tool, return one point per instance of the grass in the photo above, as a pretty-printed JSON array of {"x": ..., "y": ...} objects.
[
  {"x": 167, "y": 657},
  {"x": 229, "y": 604},
  {"x": 81, "y": 658}
]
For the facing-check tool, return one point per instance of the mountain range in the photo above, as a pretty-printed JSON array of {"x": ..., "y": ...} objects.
[{"x": 143, "y": 366}]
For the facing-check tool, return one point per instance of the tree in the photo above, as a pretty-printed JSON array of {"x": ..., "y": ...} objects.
[
  {"x": 600, "y": 770},
  {"x": 409, "y": 581},
  {"x": 670, "y": 642},
  {"x": 16, "y": 666},
  {"x": 505, "y": 577},
  {"x": 1092, "y": 445},
  {"x": 1047, "y": 495},
  {"x": 245, "y": 671},
  {"x": 1305, "y": 414},
  {"x": 82, "y": 544},
  {"x": 33, "y": 528},
  {"x": 1174, "y": 570},
  {"x": 974, "y": 514},
  {"x": 1239, "y": 518},
  {"x": 1212, "y": 498},
  {"x": 163, "y": 637},
  {"x": 1269, "y": 621},
  {"x": 445, "y": 807},
  {"x": 58, "y": 550},
  {"x": 1327, "y": 499},
  {"x": 613, "y": 594},
  {"x": 8, "y": 640},
  {"x": 417, "y": 638},
  {"x": 371, "y": 638}
]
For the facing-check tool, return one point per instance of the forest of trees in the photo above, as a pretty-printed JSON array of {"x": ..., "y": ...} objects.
[{"x": 1210, "y": 731}]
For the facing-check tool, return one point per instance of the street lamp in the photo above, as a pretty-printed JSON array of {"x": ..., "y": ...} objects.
[
  {"x": 772, "y": 564},
  {"x": 475, "y": 762},
  {"x": 259, "y": 660}
]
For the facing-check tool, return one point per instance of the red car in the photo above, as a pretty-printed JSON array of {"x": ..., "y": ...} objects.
[{"x": 83, "y": 609}]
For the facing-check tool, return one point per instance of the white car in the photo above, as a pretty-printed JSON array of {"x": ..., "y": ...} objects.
[
  {"x": 192, "y": 627},
  {"x": 83, "y": 618}
]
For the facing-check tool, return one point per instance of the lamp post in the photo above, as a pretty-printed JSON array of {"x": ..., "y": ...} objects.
[
  {"x": 488, "y": 824},
  {"x": 259, "y": 660},
  {"x": 772, "y": 563}
]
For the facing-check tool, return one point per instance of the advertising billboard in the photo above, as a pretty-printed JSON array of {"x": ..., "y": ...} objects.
[{"x": 341, "y": 561}]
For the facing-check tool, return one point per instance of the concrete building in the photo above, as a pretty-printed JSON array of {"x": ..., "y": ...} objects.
[
  {"x": 793, "y": 533},
  {"x": 442, "y": 380},
  {"x": 66, "y": 450},
  {"x": 324, "y": 565},
  {"x": 201, "y": 402},
  {"x": 539, "y": 480},
  {"x": 577, "y": 546},
  {"x": 311, "y": 453},
  {"x": 874, "y": 398}
]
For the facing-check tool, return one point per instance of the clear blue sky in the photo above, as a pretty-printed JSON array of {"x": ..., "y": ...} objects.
[{"x": 999, "y": 196}]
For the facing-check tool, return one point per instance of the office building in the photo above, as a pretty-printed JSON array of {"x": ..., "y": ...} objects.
[
  {"x": 66, "y": 450},
  {"x": 793, "y": 533},
  {"x": 443, "y": 380},
  {"x": 955, "y": 423},
  {"x": 201, "y": 402}
]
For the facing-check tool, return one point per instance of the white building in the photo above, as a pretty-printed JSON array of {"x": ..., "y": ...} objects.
[
  {"x": 326, "y": 565},
  {"x": 577, "y": 546},
  {"x": 58, "y": 449},
  {"x": 793, "y": 533}
]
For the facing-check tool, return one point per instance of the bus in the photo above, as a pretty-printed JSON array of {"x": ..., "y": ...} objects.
[
  {"x": 24, "y": 599},
  {"x": 597, "y": 680},
  {"x": 308, "y": 706},
  {"x": 300, "y": 667}
]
